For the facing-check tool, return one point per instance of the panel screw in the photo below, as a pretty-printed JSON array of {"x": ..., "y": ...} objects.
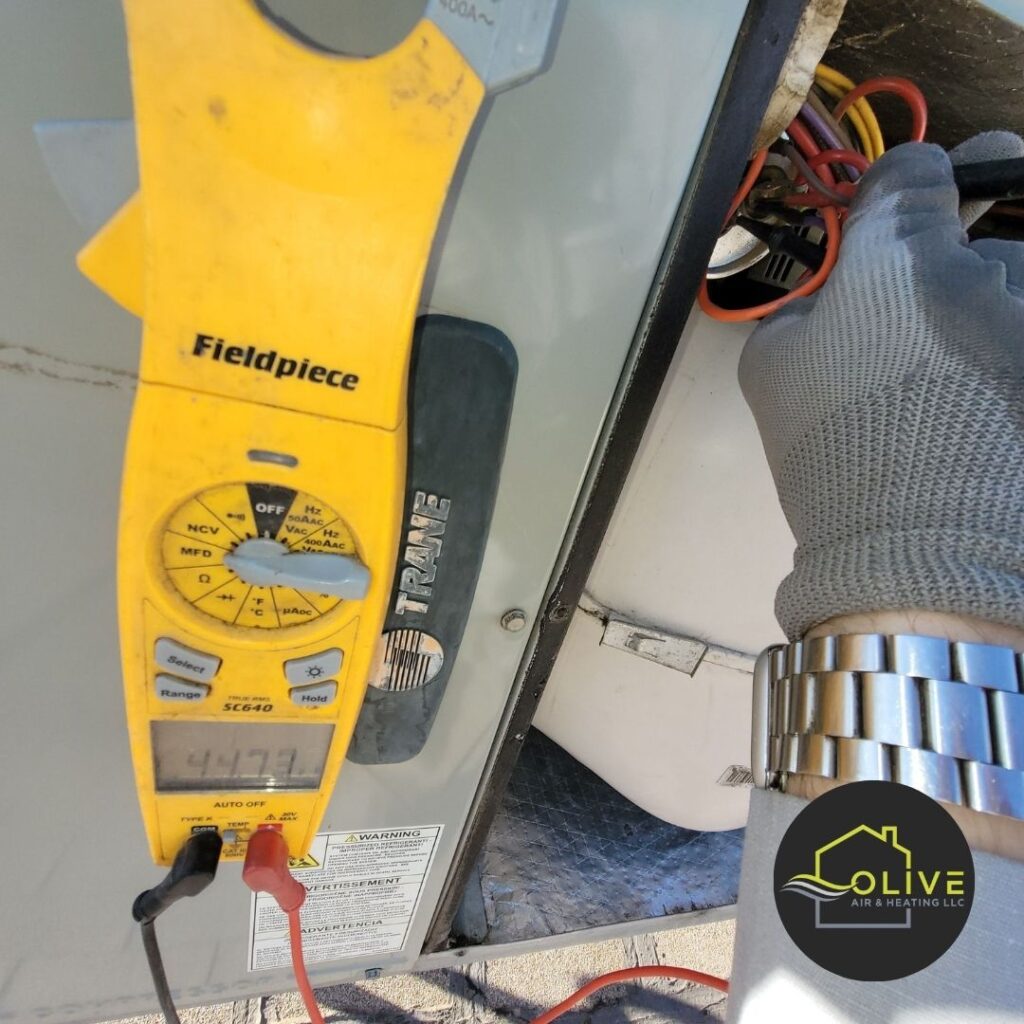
[{"x": 513, "y": 620}]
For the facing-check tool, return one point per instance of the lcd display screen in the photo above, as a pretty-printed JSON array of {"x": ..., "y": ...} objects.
[{"x": 201, "y": 756}]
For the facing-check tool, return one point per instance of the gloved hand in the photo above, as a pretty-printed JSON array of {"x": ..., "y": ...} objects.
[{"x": 891, "y": 407}]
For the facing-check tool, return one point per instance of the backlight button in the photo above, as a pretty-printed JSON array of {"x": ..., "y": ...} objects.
[{"x": 313, "y": 667}]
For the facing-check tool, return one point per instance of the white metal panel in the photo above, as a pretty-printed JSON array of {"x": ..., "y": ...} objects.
[
  {"x": 660, "y": 737},
  {"x": 698, "y": 541},
  {"x": 555, "y": 236},
  {"x": 696, "y": 547}
]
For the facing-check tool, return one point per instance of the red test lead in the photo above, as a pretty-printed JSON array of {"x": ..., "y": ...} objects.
[{"x": 266, "y": 870}]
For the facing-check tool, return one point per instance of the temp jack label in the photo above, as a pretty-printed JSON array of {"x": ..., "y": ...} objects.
[{"x": 269, "y": 360}]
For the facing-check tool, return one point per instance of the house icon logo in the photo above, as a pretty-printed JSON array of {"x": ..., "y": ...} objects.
[
  {"x": 841, "y": 859},
  {"x": 873, "y": 881}
]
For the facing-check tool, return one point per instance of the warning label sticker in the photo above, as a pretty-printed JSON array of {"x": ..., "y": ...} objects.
[{"x": 363, "y": 888}]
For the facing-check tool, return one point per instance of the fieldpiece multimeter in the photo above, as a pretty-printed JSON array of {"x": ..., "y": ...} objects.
[{"x": 275, "y": 251}]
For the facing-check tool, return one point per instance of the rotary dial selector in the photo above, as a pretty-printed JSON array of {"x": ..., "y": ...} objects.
[
  {"x": 261, "y": 555},
  {"x": 262, "y": 562}
]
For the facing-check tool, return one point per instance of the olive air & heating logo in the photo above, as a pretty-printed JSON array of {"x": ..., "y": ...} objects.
[
  {"x": 874, "y": 881},
  {"x": 877, "y": 899}
]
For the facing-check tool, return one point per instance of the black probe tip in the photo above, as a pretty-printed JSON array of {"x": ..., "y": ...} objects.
[{"x": 193, "y": 870}]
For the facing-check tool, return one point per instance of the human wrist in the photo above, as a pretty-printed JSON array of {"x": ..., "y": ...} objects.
[
  {"x": 984, "y": 832},
  {"x": 920, "y": 622}
]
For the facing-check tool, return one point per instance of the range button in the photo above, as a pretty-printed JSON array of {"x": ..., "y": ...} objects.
[
  {"x": 174, "y": 689},
  {"x": 185, "y": 661}
]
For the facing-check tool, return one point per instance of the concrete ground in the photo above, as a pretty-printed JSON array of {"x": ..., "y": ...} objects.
[{"x": 515, "y": 989}]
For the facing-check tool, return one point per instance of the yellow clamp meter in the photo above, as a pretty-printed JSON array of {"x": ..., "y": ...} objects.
[{"x": 276, "y": 250}]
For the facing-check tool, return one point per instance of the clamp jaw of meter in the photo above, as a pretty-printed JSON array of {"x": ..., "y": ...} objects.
[{"x": 276, "y": 251}]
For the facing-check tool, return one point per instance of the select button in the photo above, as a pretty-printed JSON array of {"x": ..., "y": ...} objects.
[{"x": 185, "y": 661}]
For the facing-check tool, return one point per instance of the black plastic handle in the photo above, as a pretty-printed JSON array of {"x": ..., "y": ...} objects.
[{"x": 992, "y": 179}]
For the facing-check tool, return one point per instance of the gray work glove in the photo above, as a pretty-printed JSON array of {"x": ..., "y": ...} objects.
[{"x": 891, "y": 407}]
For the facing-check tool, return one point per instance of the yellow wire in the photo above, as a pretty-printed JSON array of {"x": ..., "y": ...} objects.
[
  {"x": 863, "y": 106},
  {"x": 841, "y": 85},
  {"x": 856, "y": 121}
]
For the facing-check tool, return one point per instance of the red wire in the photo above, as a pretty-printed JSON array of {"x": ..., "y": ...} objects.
[
  {"x": 299, "y": 968},
  {"x": 902, "y": 87},
  {"x": 813, "y": 199},
  {"x": 629, "y": 974},
  {"x": 819, "y": 160},
  {"x": 840, "y": 156},
  {"x": 753, "y": 172},
  {"x": 812, "y": 284},
  {"x": 802, "y": 137}
]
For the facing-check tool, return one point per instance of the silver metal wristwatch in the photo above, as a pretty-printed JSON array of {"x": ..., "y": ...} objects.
[{"x": 945, "y": 718}]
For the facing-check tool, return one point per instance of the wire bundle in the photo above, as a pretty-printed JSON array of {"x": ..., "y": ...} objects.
[{"x": 828, "y": 161}]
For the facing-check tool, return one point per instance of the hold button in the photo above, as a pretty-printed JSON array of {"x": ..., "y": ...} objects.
[{"x": 318, "y": 695}]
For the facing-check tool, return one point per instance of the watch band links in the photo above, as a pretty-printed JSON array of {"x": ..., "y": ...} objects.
[{"x": 946, "y": 718}]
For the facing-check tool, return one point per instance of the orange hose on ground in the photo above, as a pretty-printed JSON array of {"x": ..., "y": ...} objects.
[{"x": 630, "y": 974}]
